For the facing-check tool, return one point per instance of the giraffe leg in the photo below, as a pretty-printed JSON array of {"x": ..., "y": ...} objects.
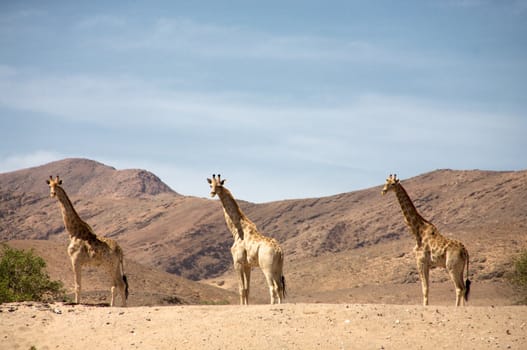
[
  {"x": 240, "y": 272},
  {"x": 459, "y": 285},
  {"x": 77, "y": 279},
  {"x": 273, "y": 284},
  {"x": 460, "y": 291},
  {"x": 455, "y": 266},
  {"x": 280, "y": 279},
  {"x": 247, "y": 280},
  {"x": 425, "y": 284},
  {"x": 277, "y": 288},
  {"x": 243, "y": 271},
  {"x": 112, "y": 272},
  {"x": 115, "y": 283},
  {"x": 271, "y": 263},
  {"x": 118, "y": 283},
  {"x": 424, "y": 274}
]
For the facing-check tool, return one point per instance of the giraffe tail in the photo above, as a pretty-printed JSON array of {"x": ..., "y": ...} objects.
[
  {"x": 283, "y": 286},
  {"x": 125, "y": 280},
  {"x": 467, "y": 283}
]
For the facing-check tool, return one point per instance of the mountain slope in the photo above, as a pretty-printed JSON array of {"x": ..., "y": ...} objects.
[
  {"x": 148, "y": 286},
  {"x": 331, "y": 243}
]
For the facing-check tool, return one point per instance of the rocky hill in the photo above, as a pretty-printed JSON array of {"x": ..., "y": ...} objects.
[
  {"x": 85, "y": 178},
  {"x": 350, "y": 243}
]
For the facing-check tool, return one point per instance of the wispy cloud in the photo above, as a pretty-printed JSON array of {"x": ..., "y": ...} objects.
[
  {"x": 123, "y": 100},
  {"x": 96, "y": 99},
  {"x": 189, "y": 37}
]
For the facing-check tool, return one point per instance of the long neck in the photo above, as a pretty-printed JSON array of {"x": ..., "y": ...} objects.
[
  {"x": 413, "y": 219},
  {"x": 72, "y": 221},
  {"x": 233, "y": 214}
]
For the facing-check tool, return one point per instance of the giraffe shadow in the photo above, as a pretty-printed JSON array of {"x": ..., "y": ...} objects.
[{"x": 88, "y": 304}]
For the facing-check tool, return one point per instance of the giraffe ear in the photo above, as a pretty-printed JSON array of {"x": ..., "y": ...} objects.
[
  {"x": 209, "y": 180},
  {"x": 60, "y": 182},
  {"x": 47, "y": 181},
  {"x": 222, "y": 181}
]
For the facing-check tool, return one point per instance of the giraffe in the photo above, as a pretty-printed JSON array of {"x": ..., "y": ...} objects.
[
  {"x": 86, "y": 248},
  {"x": 432, "y": 249},
  {"x": 250, "y": 248}
]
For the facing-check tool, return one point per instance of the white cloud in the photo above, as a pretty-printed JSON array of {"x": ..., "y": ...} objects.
[
  {"x": 116, "y": 101},
  {"x": 103, "y": 100},
  {"x": 189, "y": 37},
  {"x": 363, "y": 134}
]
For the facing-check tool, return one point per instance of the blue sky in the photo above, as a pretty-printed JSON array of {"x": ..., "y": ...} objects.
[{"x": 286, "y": 99}]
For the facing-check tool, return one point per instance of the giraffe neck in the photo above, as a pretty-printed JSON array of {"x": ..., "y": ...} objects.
[
  {"x": 233, "y": 214},
  {"x": 72, "y": 221},
  {"x": 413, "y": 219}
]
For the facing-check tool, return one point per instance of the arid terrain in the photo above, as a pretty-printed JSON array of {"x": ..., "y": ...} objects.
[
  {"x": 350, "y": 270},
  {"x": 285, "y": 326}
]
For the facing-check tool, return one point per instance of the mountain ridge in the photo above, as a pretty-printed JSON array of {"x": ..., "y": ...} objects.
[
  {"x": 187, "y": 236},
  {"x": 81, "y": 174}
]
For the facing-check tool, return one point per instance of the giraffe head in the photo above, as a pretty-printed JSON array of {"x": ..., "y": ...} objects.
[
  {"x": 215, "y": 184},
  {"x": 391, "y": 181},
  {"x": 53, "y": 183}
]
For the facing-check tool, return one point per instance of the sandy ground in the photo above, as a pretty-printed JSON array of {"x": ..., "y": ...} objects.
[{"x": 286, "y": 326}]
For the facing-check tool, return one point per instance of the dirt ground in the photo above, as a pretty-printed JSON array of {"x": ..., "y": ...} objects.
[{"x": 285, "y": 326}]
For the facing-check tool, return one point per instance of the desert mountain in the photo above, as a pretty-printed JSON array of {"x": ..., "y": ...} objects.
[
  {"x": 352, "y": 242},
  {"x": 86, "y": 178}
]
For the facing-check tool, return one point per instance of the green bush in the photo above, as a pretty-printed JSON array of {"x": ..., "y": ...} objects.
[
  {"x": 519, "y": 275},
  {"x": 22, "y": 277}
]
